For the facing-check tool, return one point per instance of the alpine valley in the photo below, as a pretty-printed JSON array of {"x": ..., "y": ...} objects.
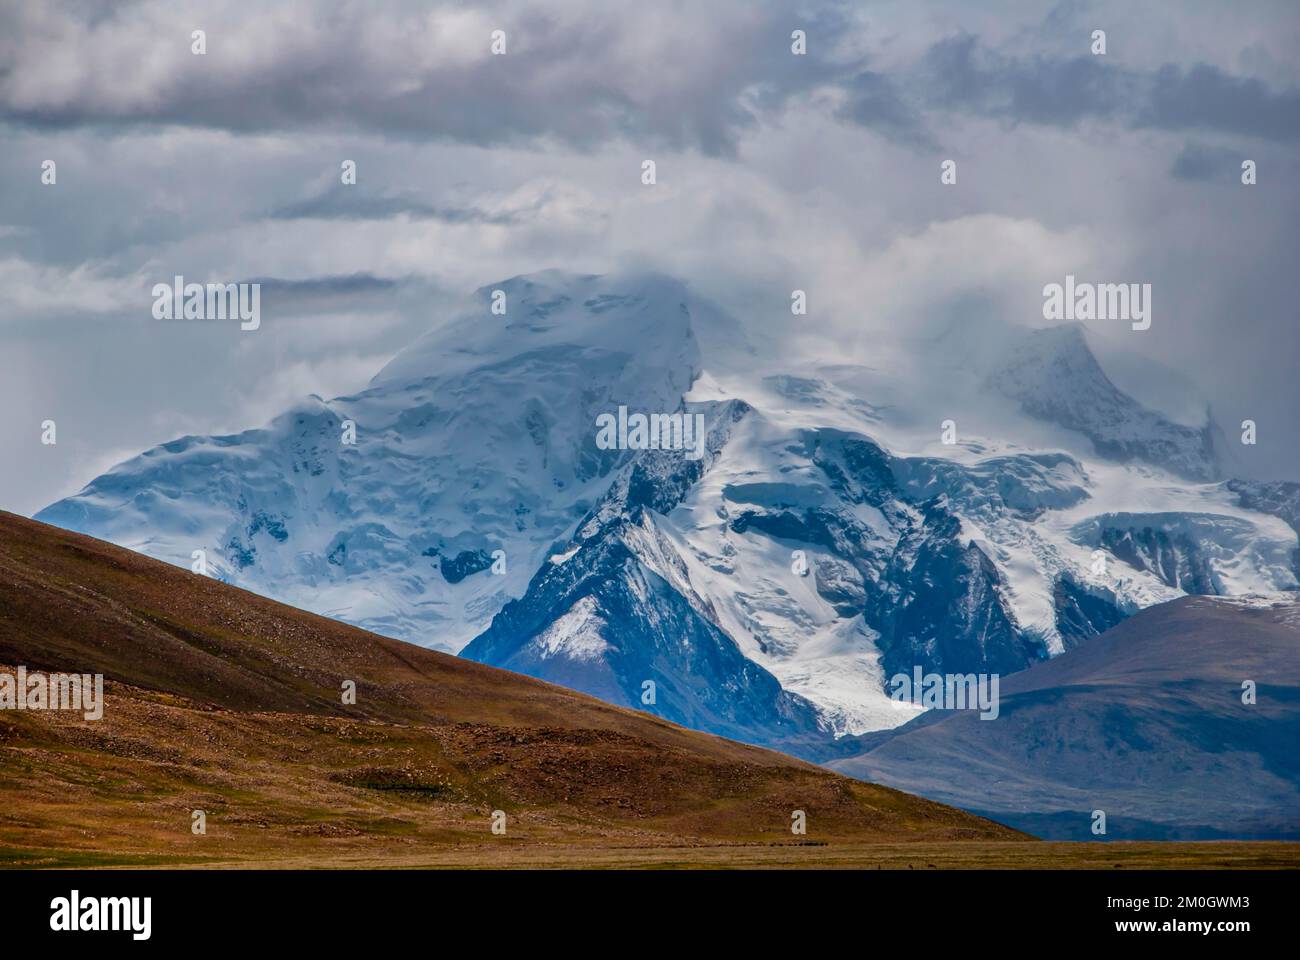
[{"x": 765, "y": 588}]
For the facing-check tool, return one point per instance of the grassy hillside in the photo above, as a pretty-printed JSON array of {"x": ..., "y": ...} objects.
[{"x": 223, "y": 701}]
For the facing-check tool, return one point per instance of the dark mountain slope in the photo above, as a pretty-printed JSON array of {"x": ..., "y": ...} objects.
[{"x": 1145, "y": 722}]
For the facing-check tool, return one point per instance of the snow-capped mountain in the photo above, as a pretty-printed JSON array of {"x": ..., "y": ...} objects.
[
  {"x": 477, "y": 438},
  {"x": 1055, "y": 376},
  {"x": 764, "y": 586}
]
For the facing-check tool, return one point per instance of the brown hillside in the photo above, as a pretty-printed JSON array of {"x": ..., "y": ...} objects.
[{"x": 221, "y": 700}]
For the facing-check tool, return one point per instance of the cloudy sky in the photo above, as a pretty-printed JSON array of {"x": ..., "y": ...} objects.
[{"x": 775, "y": 171}]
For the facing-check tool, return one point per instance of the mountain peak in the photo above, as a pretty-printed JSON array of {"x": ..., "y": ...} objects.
[
  {"x": 647, "y": 314},
  {"x": 1055, "y": 376}
]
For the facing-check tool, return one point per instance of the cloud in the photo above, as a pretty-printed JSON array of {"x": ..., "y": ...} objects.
[
  {"x": 329, "y": 376},
  {"x": 1206, "y": 98},
  {"x": 1200, "y": 162},
  {"x": 964, "y": 75},
  {"x": 580, "y": 73},
  {"x": 873, "y": 101},
  {"x": 332, "y": 294},
  {"x": 347, "y": 202},
  {"x": 34, "y": 289}
]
